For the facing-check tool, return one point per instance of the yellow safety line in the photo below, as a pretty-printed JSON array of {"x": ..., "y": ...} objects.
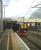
[
  {"x": 8, "y": 42},
  {"x": 14, "y": 45}
]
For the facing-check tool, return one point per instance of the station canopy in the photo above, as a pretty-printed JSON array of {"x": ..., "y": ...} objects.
[
  {"x": 36, "y": 14},
  {"x": 35, "y": 17},
  {"x": 29, "y": 20}
]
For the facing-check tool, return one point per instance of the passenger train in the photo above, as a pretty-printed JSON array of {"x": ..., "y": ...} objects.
[{"x": 20, "y": 29}]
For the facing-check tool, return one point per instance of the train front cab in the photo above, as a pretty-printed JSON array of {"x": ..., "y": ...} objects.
[{"x": 23, "y": 28}]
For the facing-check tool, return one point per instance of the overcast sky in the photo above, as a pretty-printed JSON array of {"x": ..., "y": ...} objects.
[{"x": 19, "y": 8}]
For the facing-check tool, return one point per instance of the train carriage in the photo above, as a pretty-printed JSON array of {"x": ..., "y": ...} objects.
[{"x": 20, "y": 29}]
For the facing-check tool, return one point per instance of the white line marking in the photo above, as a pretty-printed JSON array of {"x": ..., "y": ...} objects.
[
  {"x": 22, "y": 42},
  {"x": 8, "y": 42}
]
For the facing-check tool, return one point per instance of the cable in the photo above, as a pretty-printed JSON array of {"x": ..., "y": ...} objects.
[
  {"x": 31, "y": 7},
  {"x": 36, "y": 6}
]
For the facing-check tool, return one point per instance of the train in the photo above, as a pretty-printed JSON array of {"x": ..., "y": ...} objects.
[
  {"x": 23, "y": 28},
  {"x": 20, "y": 29}
]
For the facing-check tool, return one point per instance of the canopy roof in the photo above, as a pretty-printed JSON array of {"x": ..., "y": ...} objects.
[
  {"x": 36, "y": 14},
  {"x": 29, "y": 20}
]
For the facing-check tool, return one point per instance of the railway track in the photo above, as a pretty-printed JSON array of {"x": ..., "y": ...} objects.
[
  {"x": 33, "y": 40},
  {"x": 35, "y": 34}
]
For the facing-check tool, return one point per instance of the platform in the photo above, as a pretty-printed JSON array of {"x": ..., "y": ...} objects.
[{"x": 18, "y": 43}]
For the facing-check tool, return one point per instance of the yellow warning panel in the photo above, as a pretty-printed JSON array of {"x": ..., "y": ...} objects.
[
  {"x": 25, "y": 26},
  {"x": 22, "y": 26}
]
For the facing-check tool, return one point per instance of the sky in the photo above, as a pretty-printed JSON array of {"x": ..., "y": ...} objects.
[{"x": 19, "y": 8}]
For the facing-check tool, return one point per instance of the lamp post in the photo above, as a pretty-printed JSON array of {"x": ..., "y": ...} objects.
[
  {"x": 1, "y": 18},
  {"x": 4, "y": 10},
  {"x": 23, "y": 19}
]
